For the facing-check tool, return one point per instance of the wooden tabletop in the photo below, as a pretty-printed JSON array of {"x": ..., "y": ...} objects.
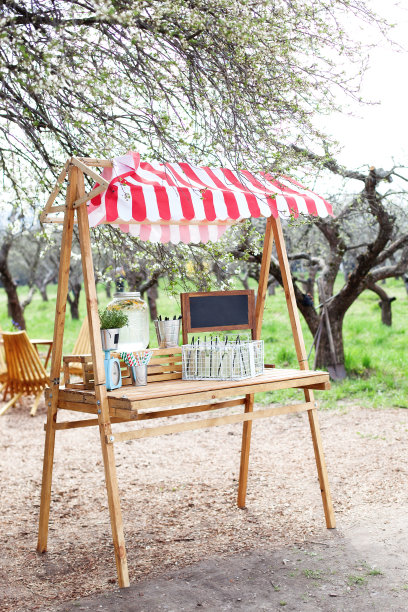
[{"x": 164, "y": 393}]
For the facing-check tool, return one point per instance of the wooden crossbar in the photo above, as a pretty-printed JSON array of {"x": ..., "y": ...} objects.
[
  {"x": 55, "y": 191},
  {"x": 204, "y": 423},
  {"x": 97, "y": 163},
  {"x": 85, "y": 168},
  {"x": 157, "y": 414},
  {"x": 82, "y": 423}
]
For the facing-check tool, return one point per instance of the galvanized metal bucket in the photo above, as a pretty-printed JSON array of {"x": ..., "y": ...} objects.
[
  {"x": 110, "y": 339},
  {"x": 168, "y": 333}
]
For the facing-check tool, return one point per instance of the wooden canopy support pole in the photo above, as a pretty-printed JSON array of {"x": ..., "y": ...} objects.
[
  {"x": 263, "y": 278},
  {"x": 302, "y": 359},
  {"x": 105, "y": 428},
  {"x": 249, "y": 401},
  {"x": 65, "y": 261}
]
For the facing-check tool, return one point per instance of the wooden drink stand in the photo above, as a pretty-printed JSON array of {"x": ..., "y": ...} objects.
[{"x": 166, "y": 394}]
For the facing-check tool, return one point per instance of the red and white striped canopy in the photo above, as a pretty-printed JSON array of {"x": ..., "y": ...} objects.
[{"x": 179, "y": 202}]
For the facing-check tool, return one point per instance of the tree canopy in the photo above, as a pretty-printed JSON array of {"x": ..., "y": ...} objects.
[{"x": 211, "y": 80}]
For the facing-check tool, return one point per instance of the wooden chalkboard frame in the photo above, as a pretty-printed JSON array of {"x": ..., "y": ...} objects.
[{"x": 186, "y": 312}]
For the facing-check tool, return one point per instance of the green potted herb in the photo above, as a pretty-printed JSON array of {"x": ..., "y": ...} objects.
[{"x": 111, "y": 321}]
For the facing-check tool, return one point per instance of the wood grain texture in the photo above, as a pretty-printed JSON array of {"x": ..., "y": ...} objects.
[
  {"x": 60, "y": 307},
  {"x": 105, "y": 429},
  {"x": 54, "y": 193},
  {"x": 158, "y": 394},
  {"x": 90, "y": 172},
  {"x": 256, "y": 335},
  {"x": 321, "y": 468},
  {"x": 211, "y": 422},
  {"x": 302, "y": 359}
]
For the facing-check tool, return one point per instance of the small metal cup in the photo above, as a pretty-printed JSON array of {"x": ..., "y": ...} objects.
[
  {"x": 139, "y": 375},
  {"x": 168, "y": 333}
]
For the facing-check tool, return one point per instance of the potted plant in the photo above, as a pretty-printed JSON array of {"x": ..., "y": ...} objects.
[{"x": 111, "y": 321}]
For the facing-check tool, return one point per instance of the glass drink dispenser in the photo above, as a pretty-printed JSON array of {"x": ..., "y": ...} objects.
[{"x": 135, "y": 335}]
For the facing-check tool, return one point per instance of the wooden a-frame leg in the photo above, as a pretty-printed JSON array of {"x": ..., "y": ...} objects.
[
  {"x": 115, "y": 512},
  {"x": 105, "y": 428},
  {"x": 302, "y": 359},
  {"x": 256, "y": 335},
  {"x": 245, "y": 448},
  {"x": 65, "y": 260},
  {"x": 321, "y": 469}
]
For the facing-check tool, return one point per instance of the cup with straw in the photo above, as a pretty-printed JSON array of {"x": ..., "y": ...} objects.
[{"x": 137, "y": 363}]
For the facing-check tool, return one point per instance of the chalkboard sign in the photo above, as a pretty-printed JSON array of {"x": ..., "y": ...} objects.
[{"x": 217, "y": 310}]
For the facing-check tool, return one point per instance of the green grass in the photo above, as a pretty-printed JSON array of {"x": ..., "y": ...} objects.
[
  {"x": 315, "y": 574},
  {"x": 375, "y": 572},
  {"x": 356, "y": 580},
  {"x": 376, "y": 356}
]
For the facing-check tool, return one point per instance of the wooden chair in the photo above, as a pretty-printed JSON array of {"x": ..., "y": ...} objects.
[
  {"x": 82, "y": 346},
  {"x": 25, "y": 372},
  {"x": 3, "y": 368}
]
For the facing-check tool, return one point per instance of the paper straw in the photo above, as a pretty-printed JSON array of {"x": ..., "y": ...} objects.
[{"x": 129, "y": 359}]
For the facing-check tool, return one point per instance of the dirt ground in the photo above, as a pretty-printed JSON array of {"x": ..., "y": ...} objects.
[{"x": 189, "y": 547}]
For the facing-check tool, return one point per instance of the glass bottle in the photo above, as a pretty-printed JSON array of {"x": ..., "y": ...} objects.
[{"x": 135, "y": 335}]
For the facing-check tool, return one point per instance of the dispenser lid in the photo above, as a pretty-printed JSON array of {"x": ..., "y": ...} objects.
[{"x": 127, "y": 294}]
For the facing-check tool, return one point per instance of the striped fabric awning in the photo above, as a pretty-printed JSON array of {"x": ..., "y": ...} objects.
[{"x": 179, "y": 202}]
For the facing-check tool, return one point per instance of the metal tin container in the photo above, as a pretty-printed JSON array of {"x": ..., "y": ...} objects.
[
  {"x": 168, "y": 333},
  {"x": 139, "y": 375},
  {"x": 110, "y": 339}
]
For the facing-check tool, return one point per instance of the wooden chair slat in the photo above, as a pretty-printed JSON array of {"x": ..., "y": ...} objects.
[{"x": 82, "y": 344}]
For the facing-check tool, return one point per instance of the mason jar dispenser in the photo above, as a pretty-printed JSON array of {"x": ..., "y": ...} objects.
[{"x": 135, "y": 335}]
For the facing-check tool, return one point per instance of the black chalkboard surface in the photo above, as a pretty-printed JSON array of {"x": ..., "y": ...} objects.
[{"x": 217, "y": 310}]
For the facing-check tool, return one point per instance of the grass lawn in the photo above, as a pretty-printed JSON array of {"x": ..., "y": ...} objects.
[{"x": 376, "y": 355}]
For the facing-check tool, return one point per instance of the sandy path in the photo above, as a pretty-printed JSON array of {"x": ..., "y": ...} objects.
[{"x": 178, "y": 498}]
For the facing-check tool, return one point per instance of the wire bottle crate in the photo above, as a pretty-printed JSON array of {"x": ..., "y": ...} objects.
[{"x": 220, "y": 360}]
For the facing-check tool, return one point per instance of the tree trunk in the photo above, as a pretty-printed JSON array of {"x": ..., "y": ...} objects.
[
  {"x": 244, "y": 281},
  {"x": 108, "y": 289},
  {"x": 29, "y": 298},
  {"x": 384, "y": 303},
  {"x": 43, "y": 293},
  {"x": 308, "y": 284},
  {"x": 386, "y": 312},
  {"x": 74, "y": 300},
  {"x": 15, "y": 310},
  {"x": 323, "y": 356},
  {"x": 152, "y": 295},
  {"x": 272, "y": 287},
  {"x": 134, "y": 279},
  {"x": 43, "y": 284}
]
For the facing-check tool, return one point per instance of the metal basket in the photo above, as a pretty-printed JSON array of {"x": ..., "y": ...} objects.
[{"x": 220, "y": 361}]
